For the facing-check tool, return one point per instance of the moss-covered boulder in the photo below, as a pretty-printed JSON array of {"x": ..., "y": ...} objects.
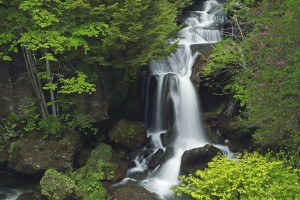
[
  {"x": 106, "y": 162},
  {"x": 33, "y": 153},
  {"x": 129, "y": 134},
  {"x": 103, "y": 164},
  {"x": 57, "y": 186},
  {"x": 132, "y": 193}
]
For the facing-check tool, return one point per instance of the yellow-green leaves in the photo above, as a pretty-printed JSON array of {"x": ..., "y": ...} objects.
[
  {"x": 251, "y": 177},
  {"x": 77, "y": 85}
]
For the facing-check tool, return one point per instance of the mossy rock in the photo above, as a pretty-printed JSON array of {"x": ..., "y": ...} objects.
[
  {"x": 57, "y": 186},
  {"x": 130, "y": 135},
  {"x": 106, "y": 162},
  {"x": 34, "y": 154}
]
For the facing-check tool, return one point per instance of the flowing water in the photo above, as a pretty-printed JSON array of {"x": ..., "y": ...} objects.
[{"x": 175, "y": 105}]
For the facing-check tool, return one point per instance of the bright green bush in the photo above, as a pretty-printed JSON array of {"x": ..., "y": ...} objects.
[
  {"x": 57, "y": 186},
  {"x": 251, "y": 177}
]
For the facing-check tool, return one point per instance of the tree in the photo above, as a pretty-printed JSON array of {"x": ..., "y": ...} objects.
[
  {"x": 267, "y": 84},
  {"x": 44, "y": 31},
  {"x": 252, "y": 177}
]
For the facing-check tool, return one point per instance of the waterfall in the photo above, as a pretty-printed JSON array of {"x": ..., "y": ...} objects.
[{"x": 175, "y": 105}]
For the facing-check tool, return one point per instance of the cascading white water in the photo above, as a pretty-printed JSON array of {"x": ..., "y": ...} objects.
[{"x": 176, "y": 94}]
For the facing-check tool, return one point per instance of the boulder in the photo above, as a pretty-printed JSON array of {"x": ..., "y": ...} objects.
[
  {"x": 59, "y": 186},
  {"x": 139, "y": 175},
  {"x": 166, "y": 138},
  {"x": 33, "y": 153},
  {"x": 156, "y": 158},
  {"x": 167, "y": 154},
  {"x": 197, "y": 158},
  {"x": 130, "y": 135},
  {"x": 103, "y": 158},
  {"x": 132, "y": 193}
]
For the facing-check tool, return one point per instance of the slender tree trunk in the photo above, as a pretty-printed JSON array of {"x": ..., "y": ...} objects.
[
  {"x": 36, "y": 83},
  {"x": 48, "y": 68}
]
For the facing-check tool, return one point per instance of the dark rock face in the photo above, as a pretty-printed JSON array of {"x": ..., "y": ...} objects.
[
  {"x": 156, "y": 159},
  {"x": 132, "y": 193},
  {"x": 3, "y": 156},
  {"x": 129, "y": 134},
  {"x": 33, "y": 154},
  {"x": 15, "y": 89},
  {"x": 96, "y": 104},
  {"x": 197, "y": 158}
]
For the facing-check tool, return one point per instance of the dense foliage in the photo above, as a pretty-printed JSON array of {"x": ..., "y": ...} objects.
[
  {"x": 260, "y": 63},
  {"x": 61, "y": 41},
  {"x": 251, "y": 177}
]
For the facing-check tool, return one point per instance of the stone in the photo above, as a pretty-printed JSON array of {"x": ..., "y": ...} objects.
[
  {"x": 130, "y": 135},
  {"x": 34, "y": 154},
  {"x": 59, "y": 186},
  {"x": 166, "y": 138},
  {"x": 197, "y": 158},
  {"x": 156, "y": 158},
  {"x": 139, "y": 175},
  {"x": 103, "y": 158},
  {"x": 167, "y": 154},
  {"x": 132, "y": 193}
]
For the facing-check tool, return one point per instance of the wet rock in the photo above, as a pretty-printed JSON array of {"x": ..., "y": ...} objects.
[
  {"x": 32, "y": 195},
  {"x": 197, "y": 158},
  {"x": 129, "y": 134},
  {"x": 156, "y": 159},
  {"x": 167, "y": 154},
  {"x": 33, "y": 153},
  {"x": 139, "y": 176},
  {"x": 143, "y": 153},
  {"x": 166, "y": 138},
  {"x": 132, "y": 193}
]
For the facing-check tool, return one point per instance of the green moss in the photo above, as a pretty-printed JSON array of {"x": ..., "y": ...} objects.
[
  {"x": 57, "y": 186},
  {"x": 97, "y": 168},
  {"x": 220, "y": 109},
  {"x": 13, "y": 146},
  {"x": 125, "y": 130}
]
